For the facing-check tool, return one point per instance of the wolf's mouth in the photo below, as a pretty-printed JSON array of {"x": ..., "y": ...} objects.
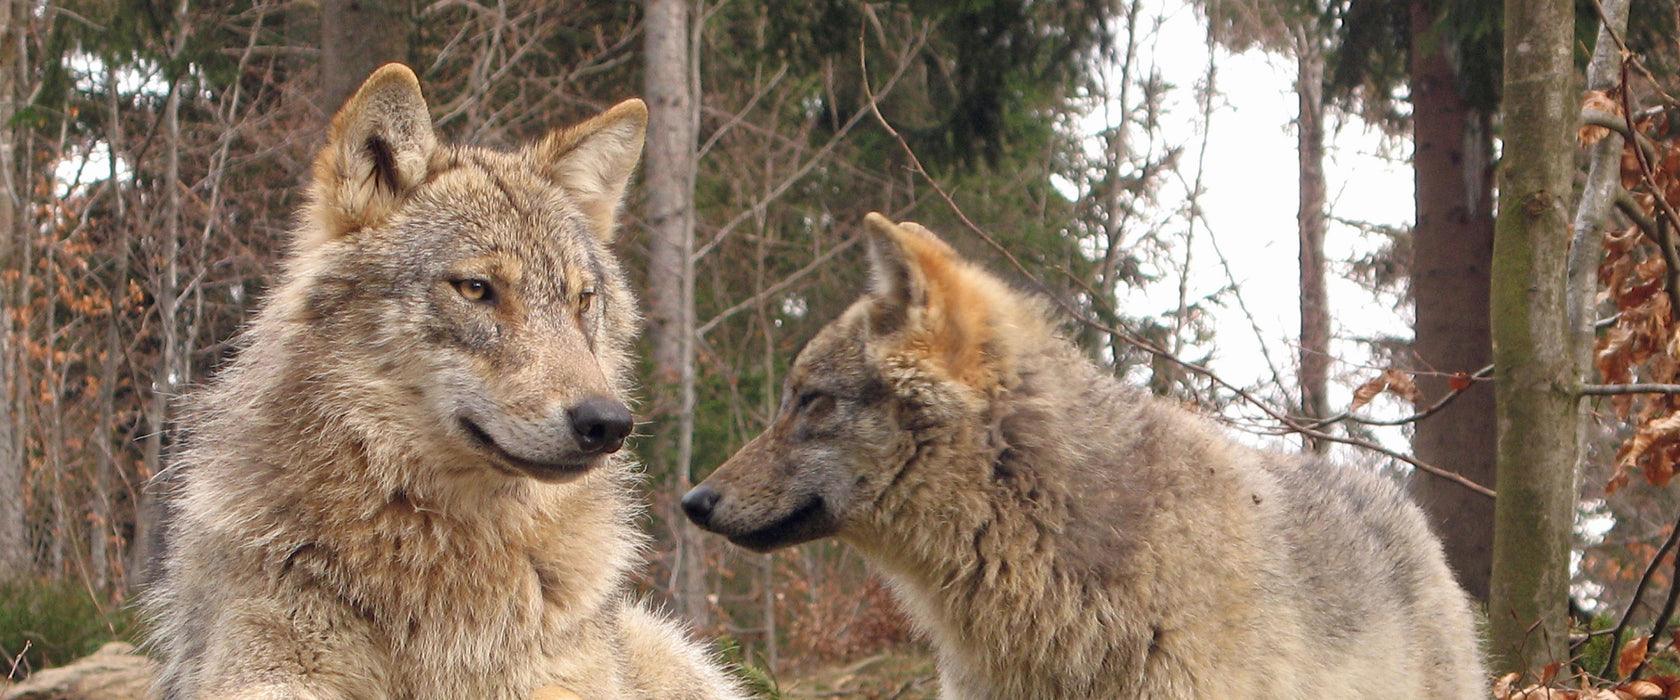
[
  {"x": 808, "y": 522},
  {"x": 502, "y": 459}
]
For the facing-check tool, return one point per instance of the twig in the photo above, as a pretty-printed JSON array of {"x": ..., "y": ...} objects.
[
  {"x": 1619, "y": 124},
  {"x": 1615, "y": 389},
  {"x": 1638, "y": 594},
  {"x": 1661, "y": 623},
  {"x": 12, "y": 673},
  {"x": 775, "y": 288},
  {"x": 811, "y": 163},
  {"x": 1481, "y": 374}
]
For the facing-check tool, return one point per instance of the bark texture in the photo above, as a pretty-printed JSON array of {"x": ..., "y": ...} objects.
[
  {"x": 1452, "y": 241},
  {"x": 1310, "y": 219},
  {"x": 1535, "y": 367}
]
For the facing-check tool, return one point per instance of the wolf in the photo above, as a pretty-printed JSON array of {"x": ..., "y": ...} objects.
[
  {"x": 408, "y": 485},
  {"x": 1059, "y": 534}
]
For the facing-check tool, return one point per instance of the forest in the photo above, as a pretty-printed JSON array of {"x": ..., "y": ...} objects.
[{"x": 152, "y": 157}]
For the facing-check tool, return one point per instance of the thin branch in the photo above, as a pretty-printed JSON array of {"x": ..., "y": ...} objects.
[
  {"x": 1615, "y": 389},
  {"x": 1667, "y": 613},
  {"x": 1480, "y": 375},
  {"x": 819, "y": 157},
  {"x": 1638, "y": 594},
  {"x": 1619, "y": 124},
  {"x": 1630, "y": 208},
  {"x": 776, "y": 288}
]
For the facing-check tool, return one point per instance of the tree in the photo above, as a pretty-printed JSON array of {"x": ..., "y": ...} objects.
[
  {"x": 1452, "y": 243},
  {"x": 15, "y": 554},
  {"x": 1536, "y": 370},
  {"x": 671, "y": 162},
  {"x": 1445, "y": 52},
  {"x": 358, "y": 36}
]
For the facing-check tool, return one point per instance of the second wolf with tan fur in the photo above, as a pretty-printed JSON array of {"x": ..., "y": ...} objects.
[
  {"x": 1060, "y": 535},
  {"x": 406, "y": 486}
]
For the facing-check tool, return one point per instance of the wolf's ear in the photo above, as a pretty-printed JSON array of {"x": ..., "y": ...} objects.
[
  {"x": 922, "y": 286},
  {"x": 376, "y": 152},
  {"x": 593, "y": 161}
]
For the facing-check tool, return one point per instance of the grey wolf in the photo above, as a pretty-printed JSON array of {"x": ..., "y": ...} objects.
[
  {"x": 1058, "y": 534},
  {"x": 408, "y": 484}
]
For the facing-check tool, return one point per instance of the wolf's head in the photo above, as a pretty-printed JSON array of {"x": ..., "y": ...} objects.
[
  {"x": 460, "y": 301},
  {"x": 876, "y": 403}
]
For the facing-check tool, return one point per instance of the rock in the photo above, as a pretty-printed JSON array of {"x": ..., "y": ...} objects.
[{"x": 116, "y": 672}]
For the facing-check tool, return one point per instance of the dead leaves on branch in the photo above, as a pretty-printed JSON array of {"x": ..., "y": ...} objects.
[
  {"x": 1391, "y": 380},
  {"x": 1642, "y": 345}
]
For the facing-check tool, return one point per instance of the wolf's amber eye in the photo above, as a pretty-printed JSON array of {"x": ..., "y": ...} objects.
[
  {"x": 586, "y": 299},
  {"x": 474, "y": 290}
]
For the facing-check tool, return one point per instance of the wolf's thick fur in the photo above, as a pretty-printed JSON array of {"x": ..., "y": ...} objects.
[
  {"x": 1061, "y": 535},
  {"x": 404, "y": 487}
]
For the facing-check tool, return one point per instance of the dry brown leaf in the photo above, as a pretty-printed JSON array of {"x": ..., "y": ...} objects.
[
  {"x": 1641, "y": 689},
  {"x": 1631, "y": 174},
  {"x": 1611, "y": 356},
  {"x": 1658, "y": 464},
  {"x": 1603, "y": 102},
  {"x": 1401, "y": 384},
  {"x": 1632, "y": 655},
  {"x": 1460, "y": 381},
  {"x": 1391, "y": 380},
  {"x": 1502, "y": 687},
  {"x": 1367, "y": 391}
]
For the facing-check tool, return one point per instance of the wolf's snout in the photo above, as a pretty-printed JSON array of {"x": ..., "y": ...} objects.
[
  {"x": 600, "y": 424},
  {"x": 699, "y": 502}
]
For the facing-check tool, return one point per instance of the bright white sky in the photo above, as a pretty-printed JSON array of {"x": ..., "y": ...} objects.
[{"x": 1249, "y": 202}]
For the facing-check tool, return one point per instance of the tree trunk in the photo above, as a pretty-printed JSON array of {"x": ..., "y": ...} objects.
[
  {"x": 15, "y": 555},
  {"x": 1535, "y": 367},
  {"x": 1310, "y": 220},
  {"x": 358, "y": 36},
  {"x": 101, "y": 535},
  {"x": 166, "y": 289},
  {"x": 673, "y": 115},
  {"x": 1452, "y": 243}
]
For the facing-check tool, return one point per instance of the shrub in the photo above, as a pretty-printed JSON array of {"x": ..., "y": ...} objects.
[{"x": 50, "y": 623}]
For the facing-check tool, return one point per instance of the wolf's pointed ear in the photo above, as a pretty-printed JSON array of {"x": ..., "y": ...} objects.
[
  {"x": 895, "y": 278},
  {"x": 593, "y": 161},
  {"x": 376, "y": 152},
  {"x": 922, "y": 286}
]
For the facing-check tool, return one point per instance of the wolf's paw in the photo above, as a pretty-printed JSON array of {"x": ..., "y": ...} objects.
[{"x": 553, "y": 692}]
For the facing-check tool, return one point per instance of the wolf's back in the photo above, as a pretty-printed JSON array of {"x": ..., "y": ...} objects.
[{"x": 1372, "y": 580}]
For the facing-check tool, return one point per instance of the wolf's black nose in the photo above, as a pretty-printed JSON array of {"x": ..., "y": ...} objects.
[
  {"x": 600, "y": 424},
  {"x": 699, "y": 502}
]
